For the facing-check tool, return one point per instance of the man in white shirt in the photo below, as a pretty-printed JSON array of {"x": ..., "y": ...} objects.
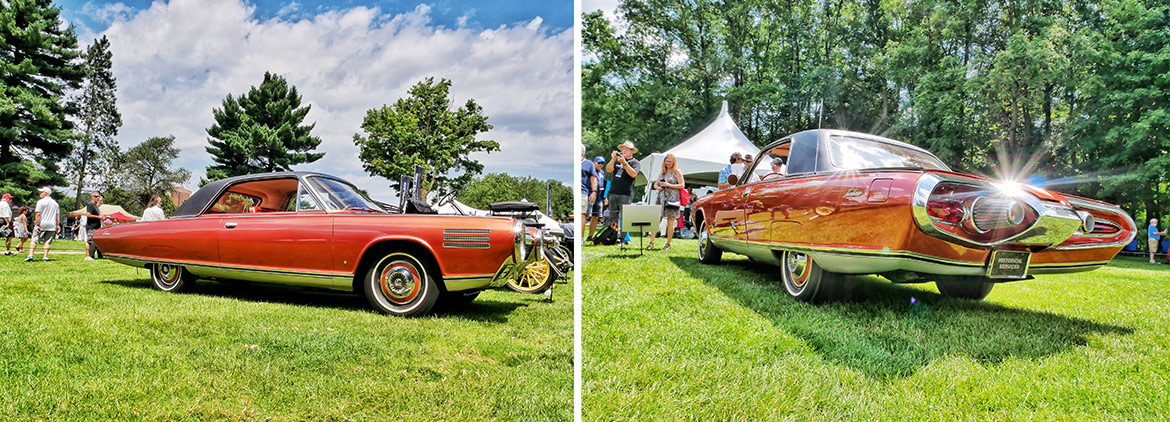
[
  {"x": 153, "y": 210},
  {"x": 6, "y": 226},
  {"x": 46, "y": 223}
]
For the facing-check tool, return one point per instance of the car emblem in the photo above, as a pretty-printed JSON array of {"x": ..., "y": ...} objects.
[{"x": 853, "y": 192}]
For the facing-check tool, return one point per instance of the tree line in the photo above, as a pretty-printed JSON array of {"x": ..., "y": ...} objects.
[
  {"x": 1072, "y": 93},
  {"x": 58, "y": 105}
]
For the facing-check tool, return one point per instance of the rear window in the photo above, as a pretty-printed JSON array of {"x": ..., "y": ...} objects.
[{"x": 849, "y": 153}]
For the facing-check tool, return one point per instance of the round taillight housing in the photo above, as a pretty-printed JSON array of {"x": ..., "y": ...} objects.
[{"x": 982, "y": 214}]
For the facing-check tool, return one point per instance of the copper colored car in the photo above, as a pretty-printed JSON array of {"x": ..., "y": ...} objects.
[
  {"x": 312, "y": 229},
  {"x": 852, "y": 203}
]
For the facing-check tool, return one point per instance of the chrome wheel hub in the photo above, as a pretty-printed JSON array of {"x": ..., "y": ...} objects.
[{"x": 399, "y": 281}]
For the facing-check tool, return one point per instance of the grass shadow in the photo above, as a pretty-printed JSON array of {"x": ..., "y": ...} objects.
[
  {"x": 479, "y": 310},
  {"x": 886, "y": 330}
]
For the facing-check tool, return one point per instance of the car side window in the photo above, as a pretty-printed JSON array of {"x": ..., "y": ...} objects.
[
  {"x": 305, "y": 200},
  {"x": 234, "y": 203},
  {"x": 771, "y": 164}
]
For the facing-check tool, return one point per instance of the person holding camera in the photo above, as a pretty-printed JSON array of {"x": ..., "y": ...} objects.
[
  {"x": 625, "y": 169},
  {"x": 670, "y": 183}
]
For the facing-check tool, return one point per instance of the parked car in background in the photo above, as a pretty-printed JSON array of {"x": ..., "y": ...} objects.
[
  {"x": 312, "y": 229},
  {"x": 852, "y": 203}
]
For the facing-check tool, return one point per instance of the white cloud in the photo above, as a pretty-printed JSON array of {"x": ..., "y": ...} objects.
[
  {"x": 108, "y": 12},
  {"x": 174, "y": 62}
]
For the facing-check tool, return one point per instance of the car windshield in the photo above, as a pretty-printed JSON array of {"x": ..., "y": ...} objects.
[
  {"x": 849, "y": 153},
  {"x": 341, "y": 196}
]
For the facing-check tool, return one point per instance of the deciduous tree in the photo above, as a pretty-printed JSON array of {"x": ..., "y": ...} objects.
[{"x": 424, "y": 129}]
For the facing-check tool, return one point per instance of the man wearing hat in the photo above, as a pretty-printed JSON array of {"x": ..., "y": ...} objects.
[
  {"x": 598, "y": 203},
  {"x": 6, "y": 222},
  {"x": 625, "y": 169},
  {"x": 46, "y": 223}
]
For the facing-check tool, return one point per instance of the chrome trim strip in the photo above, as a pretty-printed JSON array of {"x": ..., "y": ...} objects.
[
  {"x": 467, "y": 238},
  {"x": 230, "y": 267},
  {"x": 467, "y": 231},
  {"x": 722, "y": 241},
  {"x": 473, "y": 276},
  {"x": 1054, "y": 225},
  {"x": 872, "y": 261},
  {"x": 328, "y": 281},
  {"x": 1102, "y": 208},
  {"x": 453, "y": 245}
]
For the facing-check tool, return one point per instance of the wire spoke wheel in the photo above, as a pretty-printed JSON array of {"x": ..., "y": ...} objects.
[{"x": 534, "y": 278}]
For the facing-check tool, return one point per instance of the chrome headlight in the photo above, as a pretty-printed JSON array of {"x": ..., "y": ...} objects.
[{"x": 518, "y": 241}]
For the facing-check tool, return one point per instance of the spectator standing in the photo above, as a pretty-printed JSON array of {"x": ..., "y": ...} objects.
[
  {"x": 20, "y": 227},
  {"x": 93, "y": 222},
  {"x": 45, "y": 230},
  {"x": 625, "y": 170},
  {"x": 736, "y": 158},
  {"x": 601, "y": 200},
  {"x": 589, "y": 184},
  {"x": 670, "y": 183},
  {"x": 1154, "y": 238},
  {"x": 153, "y": 211},
  {"x": 6, "y": 226}
]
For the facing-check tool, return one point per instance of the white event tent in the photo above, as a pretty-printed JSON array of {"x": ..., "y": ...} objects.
[{"x": 701, "y": 157}]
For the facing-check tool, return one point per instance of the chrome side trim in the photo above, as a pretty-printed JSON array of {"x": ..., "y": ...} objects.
[
  {"x": 300, "y": 278},
  {"x": 455, "y": 284},
  {"x": 1054, "y": 225},
  {"x": 466, "y": 238},
  {"x": 467, "y": 231},
  {"x": 453, "y": 245},
  {"x": 869, "y": 261},
  {"x": 724, "y": 242}
]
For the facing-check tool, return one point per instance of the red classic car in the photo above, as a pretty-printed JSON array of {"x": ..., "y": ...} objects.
[
  {"x": 822, "y": 203},
  {"x": 317, "y": 230}
]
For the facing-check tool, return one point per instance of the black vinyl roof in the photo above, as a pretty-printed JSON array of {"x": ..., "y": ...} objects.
[{"x": 203, "y": 197}]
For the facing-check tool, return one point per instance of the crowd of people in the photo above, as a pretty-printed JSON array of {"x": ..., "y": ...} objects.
[
  {"x": 602, "y": 198},
  {"x": 43, "y": 223}
]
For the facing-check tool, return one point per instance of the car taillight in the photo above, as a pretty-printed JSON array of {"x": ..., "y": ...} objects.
[
  {"x": 949, "y": 202},
  {"x": 979, "y": 213},
  {"x": 1103, "y": 228}
]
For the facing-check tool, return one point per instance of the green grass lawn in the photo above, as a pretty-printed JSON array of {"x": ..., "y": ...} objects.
[
  {"x": 91, "y": 340},
  {"x": 666, "y": 337}
]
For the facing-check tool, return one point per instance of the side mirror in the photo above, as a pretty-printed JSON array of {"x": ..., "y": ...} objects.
[{"x": 732, "y": 179}]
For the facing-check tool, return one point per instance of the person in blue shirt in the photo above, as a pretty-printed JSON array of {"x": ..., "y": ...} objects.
[
  {"x": 589, "y": 183},
  {"x": 1155, "y": 238},
  {"x": 599, "y": 204},
  {"x": 722, "y": 184}
]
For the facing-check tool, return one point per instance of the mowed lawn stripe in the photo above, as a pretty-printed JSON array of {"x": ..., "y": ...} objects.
[
  {"x": 92, "y": 340},
  {"x": 666, "y": 337}
]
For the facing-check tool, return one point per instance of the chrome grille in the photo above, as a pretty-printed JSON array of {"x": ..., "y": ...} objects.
[{"x": 996, "y": 213}]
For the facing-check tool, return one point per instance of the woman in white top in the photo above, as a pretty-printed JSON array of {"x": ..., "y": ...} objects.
[{"x": 153, "y": 210}]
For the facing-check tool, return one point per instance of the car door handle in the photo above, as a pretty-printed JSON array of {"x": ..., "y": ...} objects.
[{"x": 230, "y": 224}]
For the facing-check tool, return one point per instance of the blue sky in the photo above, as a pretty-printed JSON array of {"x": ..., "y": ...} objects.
[
  {"x": 557, "y": 15},
  {"x": 176, "y": 61}
]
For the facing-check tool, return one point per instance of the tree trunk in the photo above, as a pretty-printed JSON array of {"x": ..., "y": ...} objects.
[{"x": 81, "y": 172}]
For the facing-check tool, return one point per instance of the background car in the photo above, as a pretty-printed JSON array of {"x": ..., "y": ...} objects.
[
  {"x": 317, "y": 230},
  {"x": 852, "y": 203}
]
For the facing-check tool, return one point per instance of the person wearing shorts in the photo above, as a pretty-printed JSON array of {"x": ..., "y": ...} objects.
[
  {"x": 1155, "y": 238},
  {"x": 6, "y": 226},
  {"x": 93, "y": 222},
  {"x": 20, "y": 228},
  {"x": 45, "y": 230}
]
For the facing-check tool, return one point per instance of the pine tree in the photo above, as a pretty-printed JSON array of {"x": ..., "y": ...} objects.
[
  {"x": 99, "y": 111},
  {"x": 261, "y": 131},
  {"x": 37, "y": 66}
]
